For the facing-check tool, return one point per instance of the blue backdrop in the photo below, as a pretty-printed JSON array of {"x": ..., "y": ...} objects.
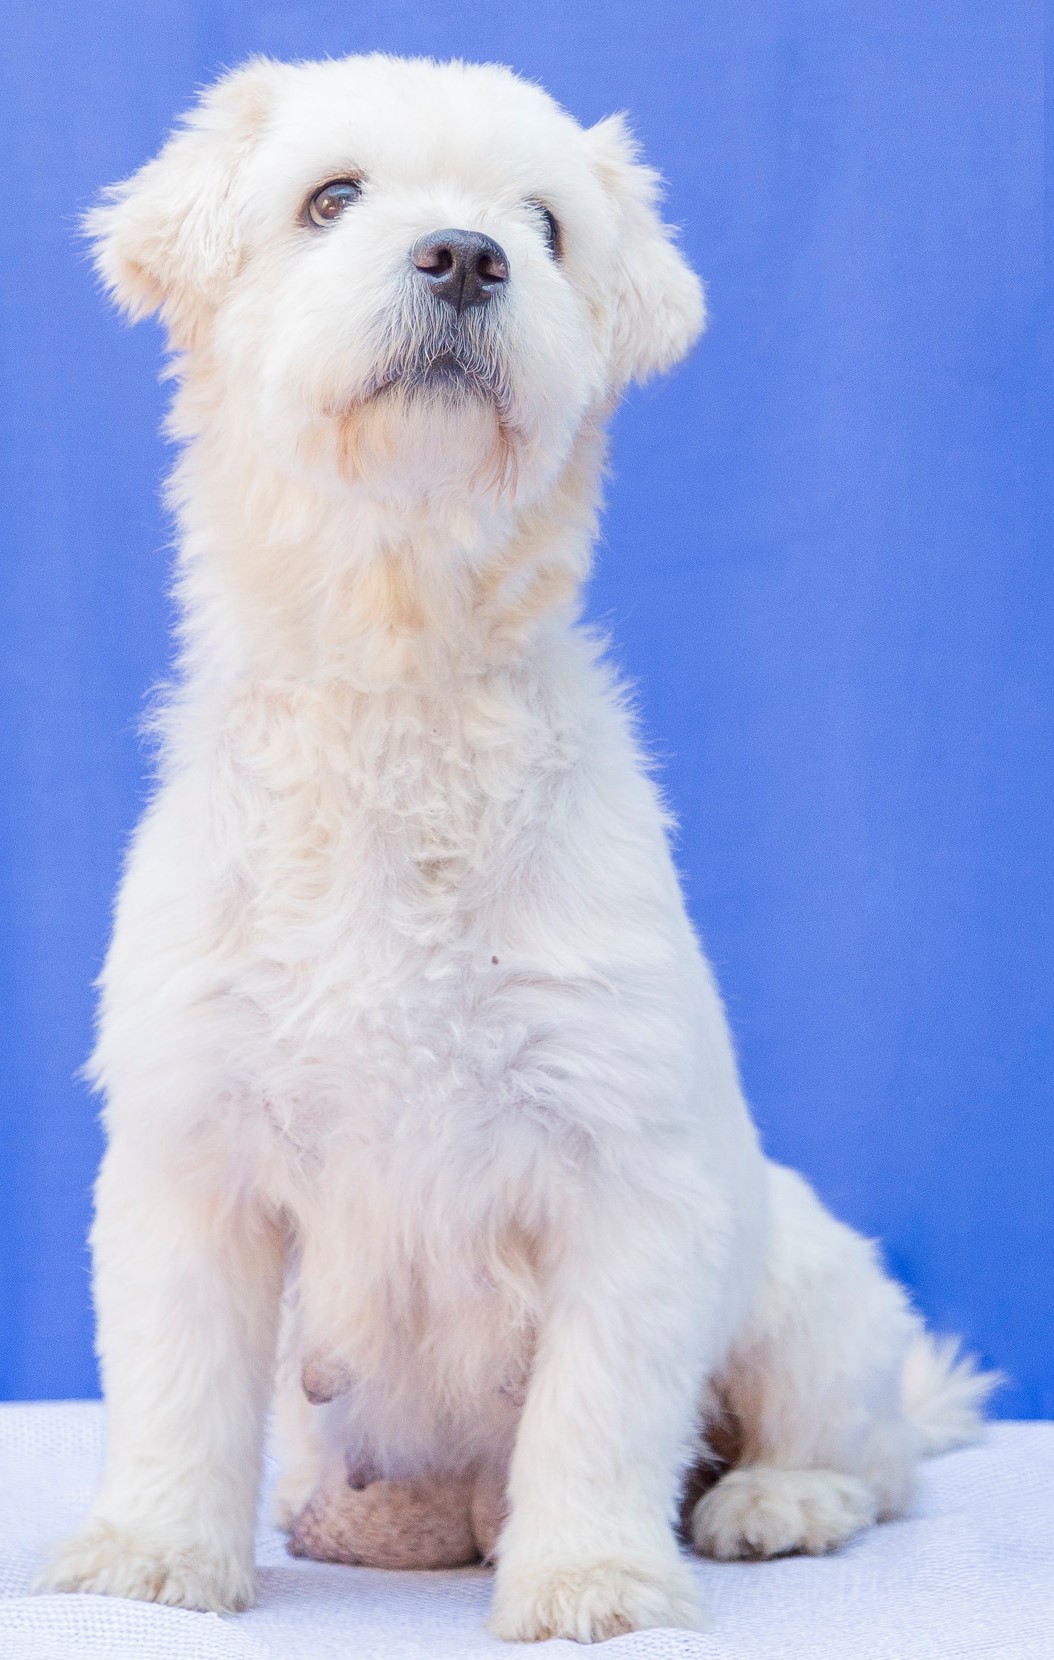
[{"x": 826, "y": 562}]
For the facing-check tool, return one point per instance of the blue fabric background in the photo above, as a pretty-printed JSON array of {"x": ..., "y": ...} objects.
[{"x": 826, "y": 562}]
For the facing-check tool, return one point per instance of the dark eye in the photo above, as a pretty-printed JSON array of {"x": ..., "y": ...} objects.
[
  {"x": 550, "y": 226},
  {"x": 329, "y": 203}
]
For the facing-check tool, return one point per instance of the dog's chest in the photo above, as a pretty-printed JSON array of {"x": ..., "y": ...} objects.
[
  {"x": 348, "y": 801},
  {"x": 378, "y": 846}
]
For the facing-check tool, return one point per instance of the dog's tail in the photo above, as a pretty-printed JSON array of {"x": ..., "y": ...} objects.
[{"x": 945, "y": 1393}]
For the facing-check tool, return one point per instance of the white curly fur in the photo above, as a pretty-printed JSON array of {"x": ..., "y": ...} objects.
[{"x": 403, "y": 1010}]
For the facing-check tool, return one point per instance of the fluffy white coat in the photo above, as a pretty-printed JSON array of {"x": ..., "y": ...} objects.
[{"x": 403, "y": 1013}]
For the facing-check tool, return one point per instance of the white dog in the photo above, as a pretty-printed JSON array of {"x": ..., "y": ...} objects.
[{"x": 403, "y": 1012}]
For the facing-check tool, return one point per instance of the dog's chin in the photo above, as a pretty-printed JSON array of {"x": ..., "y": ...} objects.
[{"x": 438, "y": 428}]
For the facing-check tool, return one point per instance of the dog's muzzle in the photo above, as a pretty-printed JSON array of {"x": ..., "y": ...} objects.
[{"x": 444, "y": 334}]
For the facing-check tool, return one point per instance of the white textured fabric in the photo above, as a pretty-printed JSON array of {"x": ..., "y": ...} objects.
[{"x": 971, "y": 1575}]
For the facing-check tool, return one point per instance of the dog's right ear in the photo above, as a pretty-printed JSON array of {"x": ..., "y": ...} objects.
[{"x": 168, "y": 239}]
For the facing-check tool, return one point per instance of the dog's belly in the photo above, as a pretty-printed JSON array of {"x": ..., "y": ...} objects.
[
  {"x": 428, "y": 1372},
  {"x": 414, "y": 1286},
  {"x": 411, "y": 1152}
]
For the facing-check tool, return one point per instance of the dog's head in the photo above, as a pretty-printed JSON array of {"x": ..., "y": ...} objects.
[{"x": 400, "y": 269}]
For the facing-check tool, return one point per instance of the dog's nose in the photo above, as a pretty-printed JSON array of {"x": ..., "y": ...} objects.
[{"x": 464, "y": 268}]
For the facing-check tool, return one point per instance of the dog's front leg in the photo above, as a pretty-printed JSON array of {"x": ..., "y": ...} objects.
[
  {"x": 187, "y": 1283},
  {"x": 588, "y": 1550}
]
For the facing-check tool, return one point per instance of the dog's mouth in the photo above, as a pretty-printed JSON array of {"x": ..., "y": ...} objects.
[
  {"x": 448, "y": 370},
  {"x": 446, "y": 374},
  {"x": 451, "y": 361},
  {"x": 447, "y": 377}
]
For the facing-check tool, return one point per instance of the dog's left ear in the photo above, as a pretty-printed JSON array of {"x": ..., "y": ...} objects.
[
  {"x": 659, "y": 308},
  {"x": 168, "y": 239}
]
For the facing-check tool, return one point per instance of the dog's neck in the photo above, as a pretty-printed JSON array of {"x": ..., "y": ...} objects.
[{"x": 283, "y": 578}]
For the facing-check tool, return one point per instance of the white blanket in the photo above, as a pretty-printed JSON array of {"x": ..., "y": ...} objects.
[{"x": 970, "y": 1575}]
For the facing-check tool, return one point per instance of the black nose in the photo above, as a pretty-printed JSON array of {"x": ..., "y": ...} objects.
[{"x": 461, "y": 267}]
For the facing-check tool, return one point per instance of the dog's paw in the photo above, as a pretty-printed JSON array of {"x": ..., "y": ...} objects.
[
  {"x": 591, "y": 1601},
  {"x": 104, "y": 1560},
  {"x": 761, "y": 1511}
]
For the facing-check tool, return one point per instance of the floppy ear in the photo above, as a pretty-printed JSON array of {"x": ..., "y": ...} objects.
[
  {"x": 168, "y": 239},
  {"x": 659, "y": 309}
]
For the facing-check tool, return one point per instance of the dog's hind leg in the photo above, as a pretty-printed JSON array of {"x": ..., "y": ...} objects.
[{"x": 815, "y": 1390}]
